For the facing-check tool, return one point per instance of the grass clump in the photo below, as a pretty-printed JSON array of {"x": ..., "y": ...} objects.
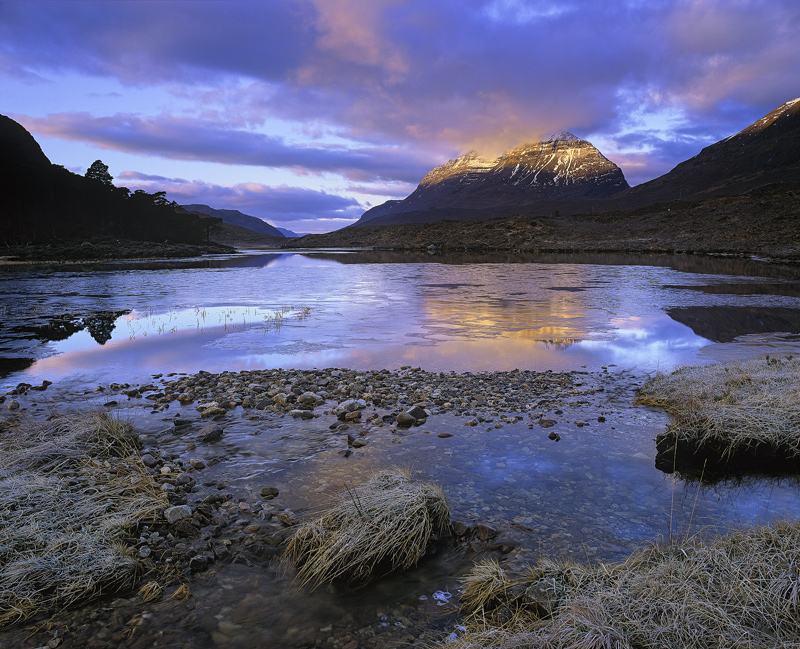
[
  {"x": 385, "y": 524},
  {"x": 71, "y": 490},
  {"x": 739, "y": 590},
  {"x": 731, "y": 408}
]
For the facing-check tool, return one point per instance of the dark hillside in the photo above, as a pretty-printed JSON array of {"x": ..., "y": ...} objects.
[{"x": 43, "y": 203}]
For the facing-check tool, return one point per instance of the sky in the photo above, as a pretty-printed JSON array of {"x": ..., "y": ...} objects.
[{"x": 307, "y": 112}]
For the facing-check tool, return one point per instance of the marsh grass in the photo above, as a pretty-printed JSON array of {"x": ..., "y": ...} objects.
[
  {"x": 383, "y": 525},
  {"x": 731, "y": 408},
  {"x": 739, "y": 590},
  {"x": 71, "y": 491}
]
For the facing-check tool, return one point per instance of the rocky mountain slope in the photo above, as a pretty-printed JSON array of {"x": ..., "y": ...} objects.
[
  {"x": 568, "y": 176},
  {"x": 538, "y": 176},
  {"x": 235, "y": 217},
  {"x": 767, "y": 151}
]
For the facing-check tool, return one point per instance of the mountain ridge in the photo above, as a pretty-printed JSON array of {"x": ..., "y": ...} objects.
[
  {"x": 563, "y": 167},
  {"x": 235, "y": 217},
  {"x": 763, "y": 153}
]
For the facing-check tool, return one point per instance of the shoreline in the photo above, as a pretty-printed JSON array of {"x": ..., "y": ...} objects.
[
  {"x": 236, "y": 524},
  {"x": 104, "y": 250},
  {"x": 233, "y": 526}
]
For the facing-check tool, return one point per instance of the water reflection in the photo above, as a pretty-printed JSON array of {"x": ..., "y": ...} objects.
[
  {"x": 380, "y": 310},
  {"x": 722, "y": 324}
]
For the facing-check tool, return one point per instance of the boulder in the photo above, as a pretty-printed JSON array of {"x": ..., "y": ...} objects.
[
  {"x": 405, "y": 419},
  {"x": 210, "y": 433},
  {"x": 177, "y": 513}
]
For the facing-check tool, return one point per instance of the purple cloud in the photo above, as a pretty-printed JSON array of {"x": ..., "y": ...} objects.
[
  {"x": 432, "y": 77},
  {"x": 191, "y": 139}
]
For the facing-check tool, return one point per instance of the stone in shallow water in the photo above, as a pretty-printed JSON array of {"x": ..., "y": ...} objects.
[
  {"x": 269, "y": 493},
  {"x": 210, "y": 433},
  {"x": 405, "y": 419}
]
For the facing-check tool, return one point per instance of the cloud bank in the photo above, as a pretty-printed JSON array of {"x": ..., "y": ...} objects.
[{"x": 380, "y": 91}]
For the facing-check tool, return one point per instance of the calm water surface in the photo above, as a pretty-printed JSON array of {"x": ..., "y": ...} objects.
[
  {"x": 104, "y": 322},
  {"x": 595, "y": 495}
]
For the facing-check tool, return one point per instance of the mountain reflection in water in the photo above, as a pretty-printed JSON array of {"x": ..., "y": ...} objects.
[{"x": 460, "y": 312}]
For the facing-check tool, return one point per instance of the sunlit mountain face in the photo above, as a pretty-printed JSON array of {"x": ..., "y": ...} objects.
[{"x": 560, "y": 168}]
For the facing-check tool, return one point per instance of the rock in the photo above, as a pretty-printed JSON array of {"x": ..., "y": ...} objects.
[
  {"x": 462, "y": 529},
  {"x": 352, "y": 416},
  {"x": 288, "y": 517},
  {"x": 214, "y": 412},
  {"x": 13, "y": 404},
  {"x": 547, "y": 423},
  {"x": 444, "y": 435},
  {"x": 268, "y": 493},
  {"x": 418, "y": 412},
  {"x": 185, "y": 479},
  {"x": 555, "y": 436},
  {"x": 177, "y": 513},
  {"x": 199, "y": 563},
  {"x": 405, "y": 419},
  {"x": 210, "y": 433},
  {"x": 351, "y": 405},
  {"x": 149, "y": 461},
  {"x": 309, "y": 398},
  {"x": 301, "y": 414},
  {"x": 486, "y": 532},
  {"x": 358, "y": 442}
]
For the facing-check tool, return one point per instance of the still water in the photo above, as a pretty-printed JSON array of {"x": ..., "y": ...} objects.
[
  {"x": 594, "y": 495},
  {"x": 111, "y": 321}
]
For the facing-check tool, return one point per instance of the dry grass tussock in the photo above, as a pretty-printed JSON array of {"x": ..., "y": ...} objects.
[
  {"x": 732, "y": 407},
  {"x": 64, "y": 514},
  {"x": 383, "y": 525},
  {"x": 740, "y": 590}
]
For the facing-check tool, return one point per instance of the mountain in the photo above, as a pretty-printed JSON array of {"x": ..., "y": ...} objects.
[
  {"x": 569, "y": 176},
  {"x": 766, "y": 152},
  {"x": 290, "y": 233},
  {"x": 537, "y": 176},
  {"x": 235, "y": 217}
]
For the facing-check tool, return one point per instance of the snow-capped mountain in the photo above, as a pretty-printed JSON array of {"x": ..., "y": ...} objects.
[{"x": 562, "y": 167}]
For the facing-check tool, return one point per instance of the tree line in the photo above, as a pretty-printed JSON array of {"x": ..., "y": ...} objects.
[{"x": 48, "y": 203}]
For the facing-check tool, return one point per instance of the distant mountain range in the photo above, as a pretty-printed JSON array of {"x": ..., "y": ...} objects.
[
  {"x": 235, "y": 217},
  {"x": 568, "y": 175}
]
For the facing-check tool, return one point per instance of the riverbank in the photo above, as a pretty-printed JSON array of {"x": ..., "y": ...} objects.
[
  {"x": 106, "y": 249},
  {"x": 210, "y": 442}
]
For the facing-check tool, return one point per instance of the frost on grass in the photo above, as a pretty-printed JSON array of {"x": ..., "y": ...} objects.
[
  {"x": 739, "y": 590},
  {"x": 383, "y": 525},
  {"x": 71, "y": 490},
  {"x": 731, "y": 408}
]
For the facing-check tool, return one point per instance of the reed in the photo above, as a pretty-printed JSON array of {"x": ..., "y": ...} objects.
[{"x": 383, "y": 525}]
